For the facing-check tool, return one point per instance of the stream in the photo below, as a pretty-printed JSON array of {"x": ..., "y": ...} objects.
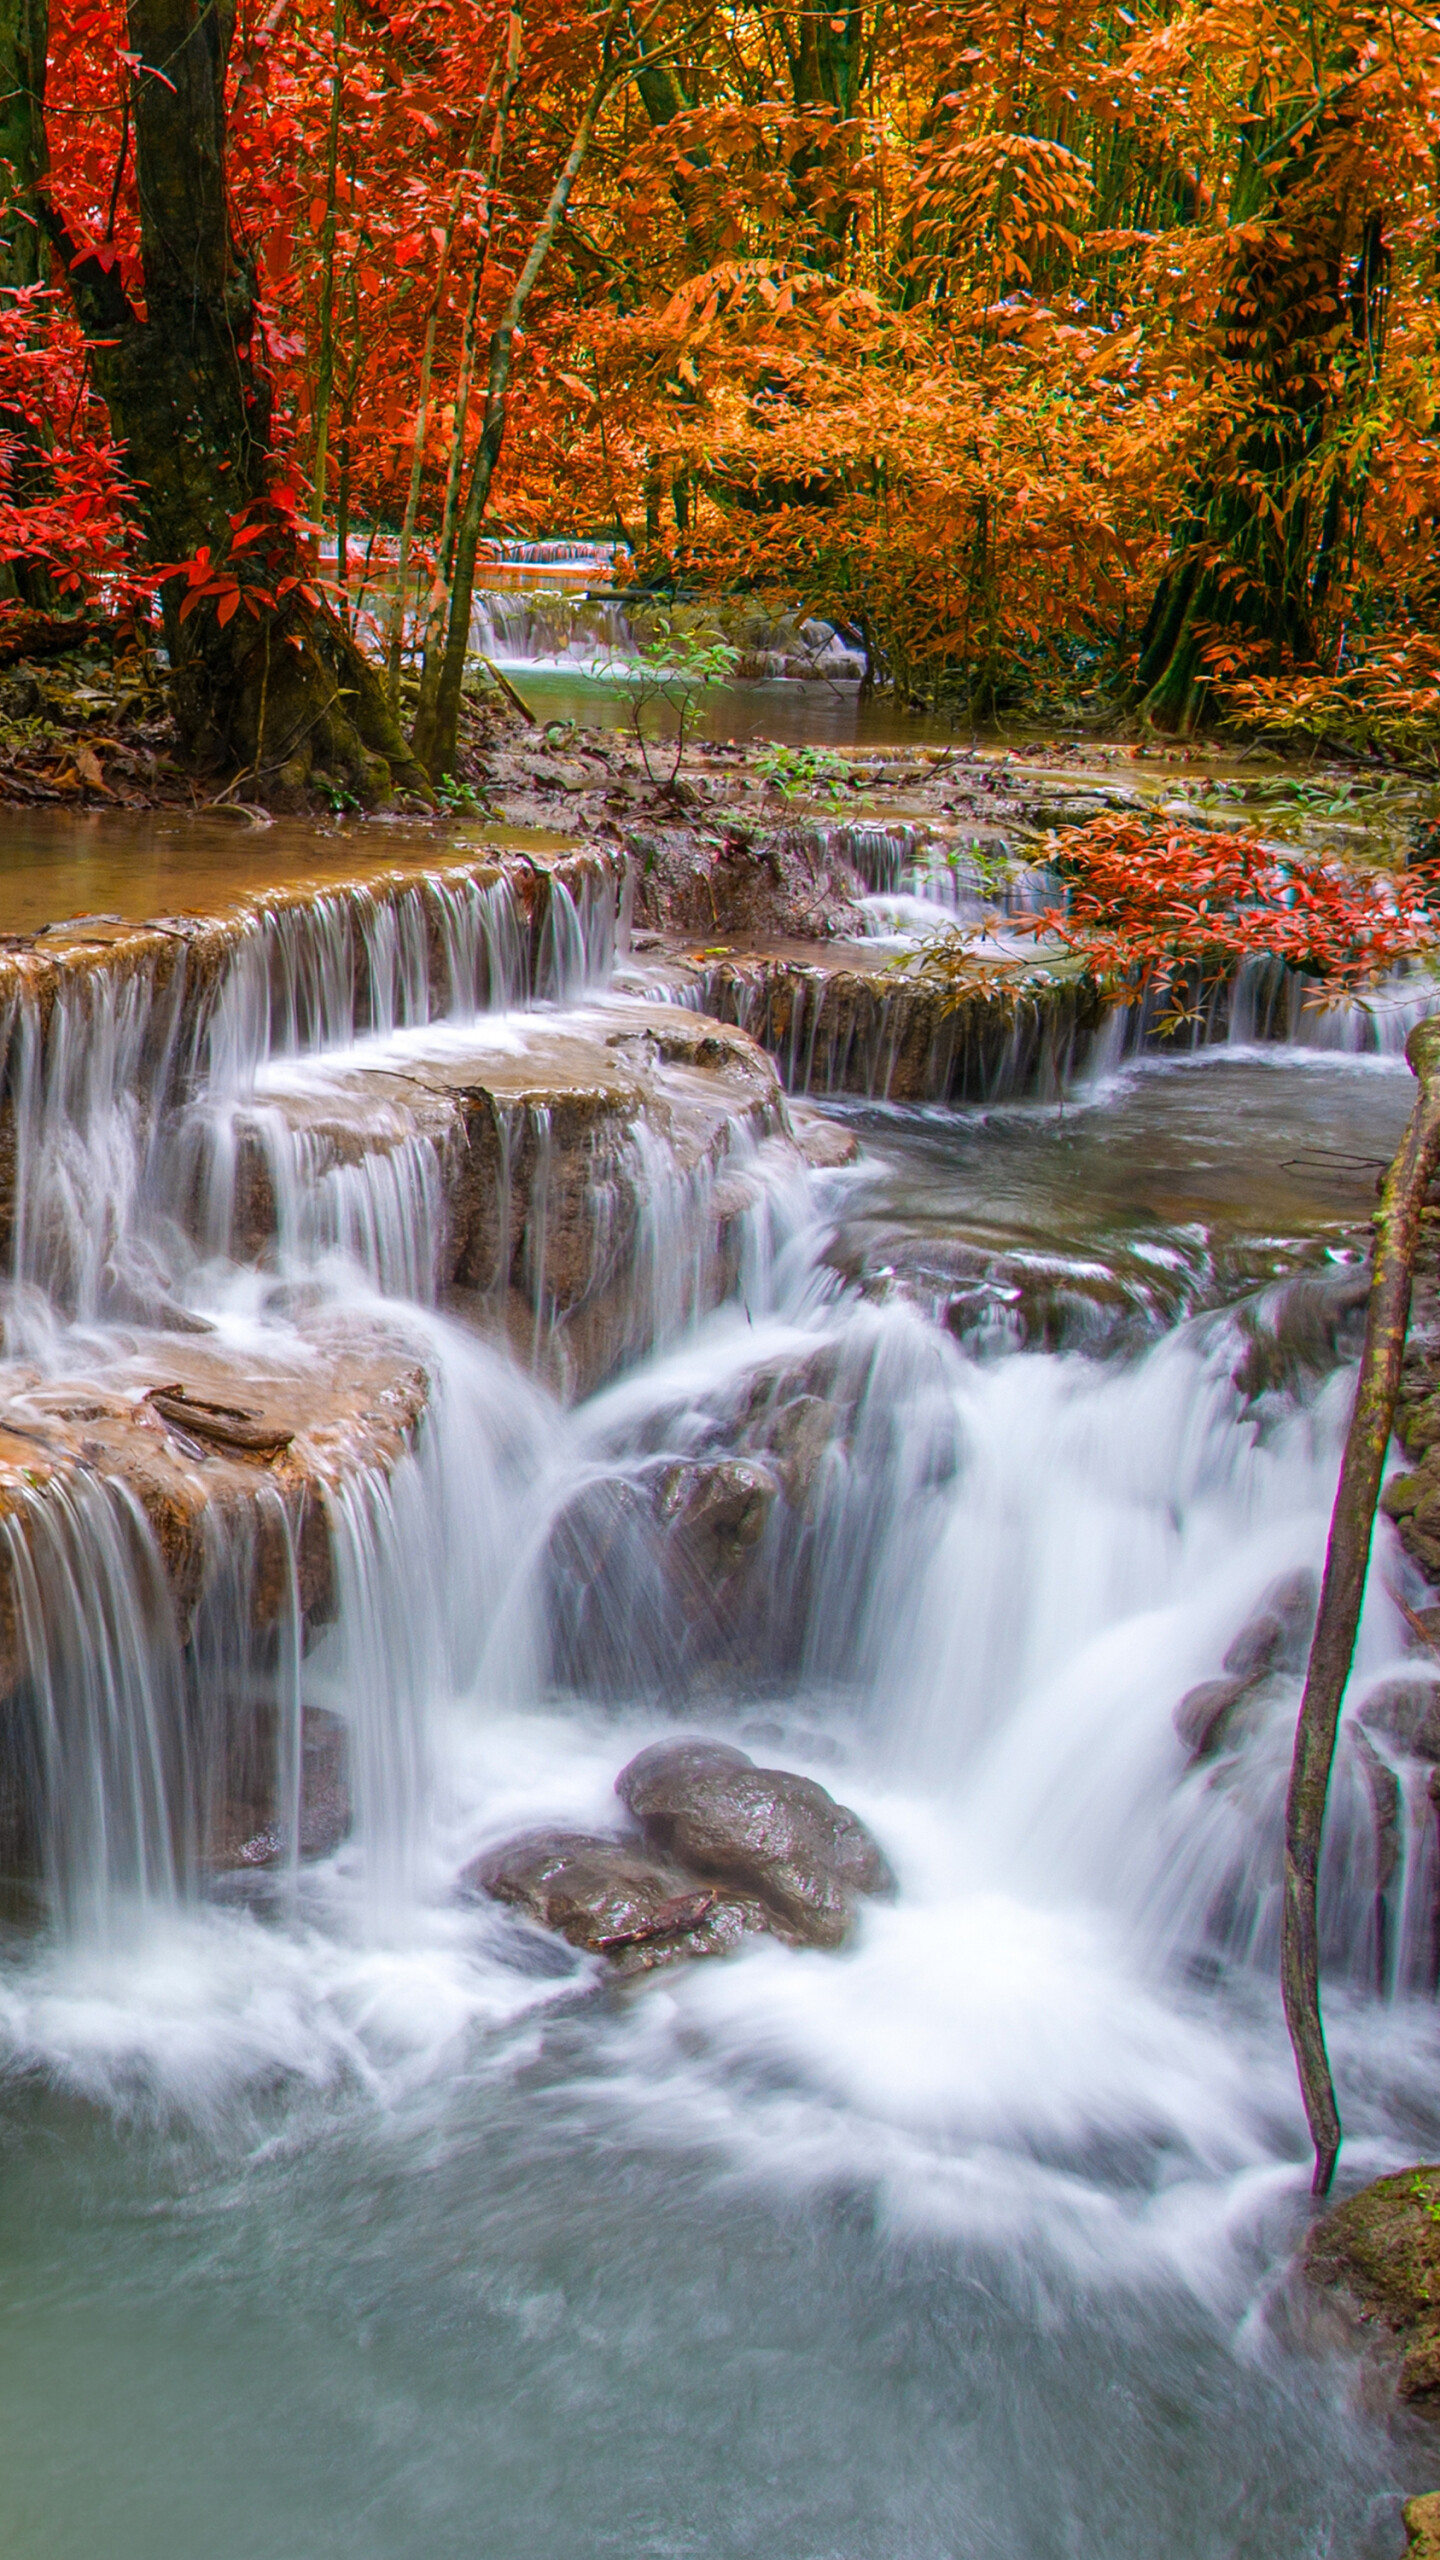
[{"x": 344, "y": 2214}]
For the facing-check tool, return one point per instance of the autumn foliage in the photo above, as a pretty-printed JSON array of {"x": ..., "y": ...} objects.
[
  {"x": 1155, "y": 906},
  {"x": 1066, "y": 353}
]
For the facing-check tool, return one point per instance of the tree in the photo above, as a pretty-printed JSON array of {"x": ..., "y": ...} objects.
[{"x": 265, "y": 681}]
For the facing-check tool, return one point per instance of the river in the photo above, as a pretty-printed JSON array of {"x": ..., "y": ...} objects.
[{"x": 343, "y": 2214}]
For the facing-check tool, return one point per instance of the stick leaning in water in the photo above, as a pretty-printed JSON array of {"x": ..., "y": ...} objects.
[{"x": 1347, "y": 1560}]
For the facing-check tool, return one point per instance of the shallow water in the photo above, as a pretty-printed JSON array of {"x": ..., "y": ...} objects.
[
  {"x": 345, "y": 2214},
  {"x": 161, "y": 862},
  {"x": 1185, "y": 1180}
]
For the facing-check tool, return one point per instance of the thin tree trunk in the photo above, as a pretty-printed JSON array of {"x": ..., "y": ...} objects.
[
  {"x": 435, "y": 611},
  {"x": 1342, "y": 1591},
  {"x": 422, "y": 409},
  {"x": 325, "y": 361},
  {"x": 435, "y": 738}
]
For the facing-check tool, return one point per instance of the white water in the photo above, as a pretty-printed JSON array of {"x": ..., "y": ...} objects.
[{"x": 1055, "y": 2067}]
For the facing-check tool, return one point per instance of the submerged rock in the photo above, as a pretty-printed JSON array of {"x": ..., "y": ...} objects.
[
  {"x": 765, "y": 1832},
  {"x": 1273, "y": 1642},
  {"x": 1202, "y": 1718},
  {"x": 245, "y": 1829},
  {"x": 1406, "y": 1713},
  {"x": 609, "y": 1898},
  {"x": 1377, "y": 2257},
  {"x": 1277, "y": 1637}
]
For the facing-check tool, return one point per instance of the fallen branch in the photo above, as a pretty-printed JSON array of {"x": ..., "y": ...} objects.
[{"x": 1342, "y": 1591}]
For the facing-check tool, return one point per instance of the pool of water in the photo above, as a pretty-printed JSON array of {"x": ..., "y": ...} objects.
[
  {"x": 350, "y": 2216},
  {"x": 1179, "y": 1182},
  {"x": 162, "y": 862}
]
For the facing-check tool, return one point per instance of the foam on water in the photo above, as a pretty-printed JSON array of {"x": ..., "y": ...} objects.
[{"x": 1061, "y": 2046}]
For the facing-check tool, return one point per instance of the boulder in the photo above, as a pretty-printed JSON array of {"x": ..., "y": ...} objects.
[
  {"x": 1406, "y": 1713},
  {"x": 244, "y": 1829},
  {"x": 719, "y": 1507},
  {"x": 1274, "y": 1641},
  {"x": 1378, "y": 2257},
  {"x": 1277, "y": 1637},
  {"x": 764, "y": 1832},
  {"x": 1202, "y": 1718},
  {"x": 609, "y": 1898}
]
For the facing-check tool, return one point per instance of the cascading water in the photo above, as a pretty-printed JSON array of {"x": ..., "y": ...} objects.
[{"x": 954, "y": 2241}]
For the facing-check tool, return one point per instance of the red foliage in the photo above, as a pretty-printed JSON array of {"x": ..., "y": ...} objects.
[
  {"x": 63, "y": 502},
  {"x": 1153, "y": 904}
]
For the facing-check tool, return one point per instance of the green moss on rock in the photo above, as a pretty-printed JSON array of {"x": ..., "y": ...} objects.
[{"x": 1381, "y": 2251}]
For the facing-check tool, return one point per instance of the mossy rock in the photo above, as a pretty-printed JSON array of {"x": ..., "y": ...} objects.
[
  {"x": 1422, "y": 2527},
  {"x": 1381, "y": 2252}
]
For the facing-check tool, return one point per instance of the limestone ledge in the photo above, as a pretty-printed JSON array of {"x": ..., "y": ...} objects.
[
  {"x": 183, "y": 957},
  {"x": 838, "y": 1019},
  {"x": 562, "y": 1227},
  {"x": 335, "y": 1399}
]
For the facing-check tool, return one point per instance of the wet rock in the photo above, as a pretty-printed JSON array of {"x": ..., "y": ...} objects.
[
  {"x": 1406, "y": 1713},
  {"x": 557, "y": 1153},
  {"x": 1213, "y": 1717},
  {"x": 765, "y": 1832},
  {"x": 1378, "y": 2257},
  {"x": 1202, "y": 1717},
  {"x": 245, "y": 1829},
  {"x": 609, "y": 1898},
  {"x": 1277, "y": 1638},
  {"x": 1423, "y": 1630},
  {"x": 1299, "y": 1329},
  {"x": 796, "y": 1437},
  {"x": 825, "y": 1144},
  {"x": 719, "y": 1508},
  {"x": 347, "y": 1395},
  {"x": 1383, "y": 1789}
]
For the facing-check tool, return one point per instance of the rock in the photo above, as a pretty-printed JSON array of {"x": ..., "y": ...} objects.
[
  {"x": 764, "y": 1832},
  {"x": 1383, "y": 1789},
  {"x": 1277, "y": 1638},
  {"x": 1202, "y": 1717},
  {"x": 824, "y": 1144},
  {"x": 244, "y": 1830},
  {"x": 20, "y": 697},
  {"x": 719, "y": 1507},
  {"x": 609, "y": 1898},
  {"x": 1379, "y": 2254},
  {"x": 1421, "y": 2518},
  {"x": 1407, "y": 1714}
]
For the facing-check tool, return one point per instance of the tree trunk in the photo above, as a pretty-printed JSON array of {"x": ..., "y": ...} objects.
[
  {"x": 437, "y": 729},
  {"x": 1342, "y": 1591},
  {"x": 24, "y": 255},
  {"x": 267, "y": 684}
]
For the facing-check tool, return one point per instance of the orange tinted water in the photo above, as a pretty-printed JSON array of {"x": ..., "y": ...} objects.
[{"x": 54, "y": 866}]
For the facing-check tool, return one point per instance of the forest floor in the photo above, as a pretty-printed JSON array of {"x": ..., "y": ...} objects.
[{"x": 727, "y": 838}]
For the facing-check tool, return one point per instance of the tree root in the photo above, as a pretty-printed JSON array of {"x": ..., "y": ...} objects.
[{"x": 1342, "y": 1591}]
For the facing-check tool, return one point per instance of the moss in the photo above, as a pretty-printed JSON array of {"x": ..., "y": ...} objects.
[
  {"x": 1381, "y": 2250},
  {"x": 1422, "y": 2527}
]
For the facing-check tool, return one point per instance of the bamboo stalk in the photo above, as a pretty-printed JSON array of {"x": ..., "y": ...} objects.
[
  {"x": 435, "y": 730},
  {"x": 1342, "y": 1590},
  {"x": 394, "y": 649},
  {"x": 325, "y": 362},
  {"x": 435, "y": 611}
]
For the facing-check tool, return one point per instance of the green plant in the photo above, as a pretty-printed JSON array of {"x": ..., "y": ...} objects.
[
  {"x": 459, "y": 799},
  {"x": 790, "y": 770},
  {"x": 677, "y": 663}
]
